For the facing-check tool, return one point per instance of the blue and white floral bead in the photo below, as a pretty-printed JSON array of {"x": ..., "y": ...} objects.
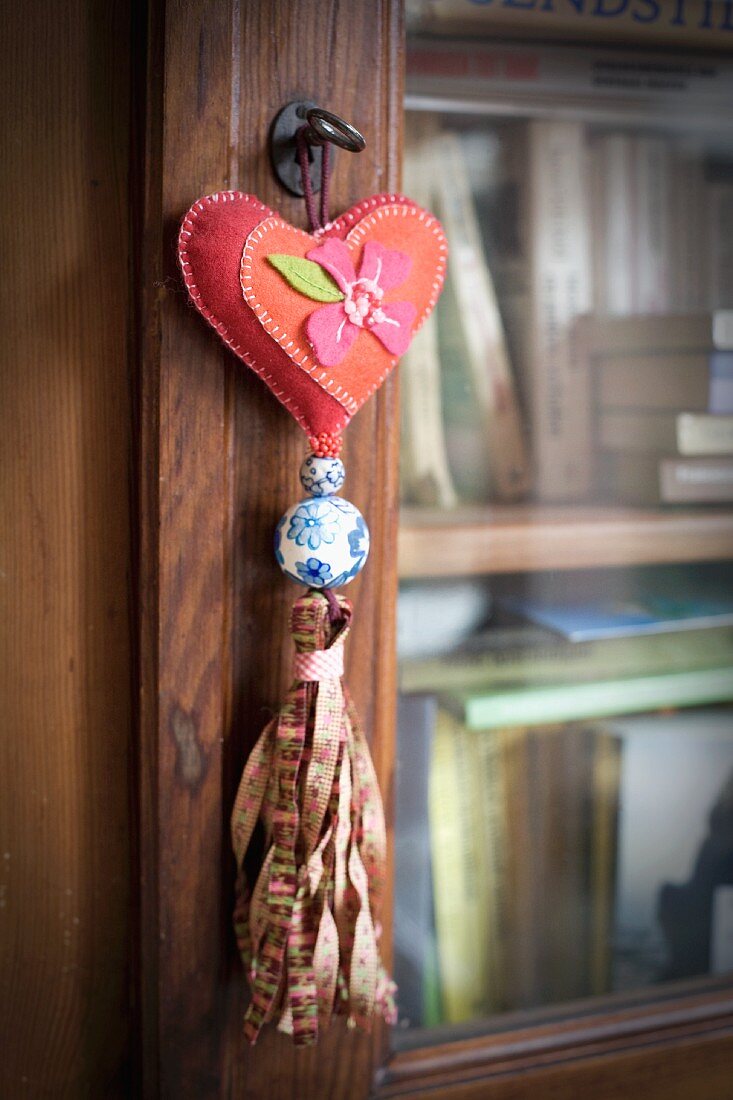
[
  {"x": 322, "y": 477},
  {"x": 322, "y": 542}
]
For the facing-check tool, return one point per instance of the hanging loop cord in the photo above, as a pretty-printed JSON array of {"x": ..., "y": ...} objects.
[{"x": 316, "y": 219}]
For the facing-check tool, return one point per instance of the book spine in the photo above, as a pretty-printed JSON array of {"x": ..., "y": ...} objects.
[
  {"x": 629, "y": 478},
  {"x": 604, "y": 858},
  {"x": 687, "y": 22},
  {"x": 638, "y": 430},
  {"x": 521, "y": 914},
  {"x": 424, "y": 470},
  {"x": 651, "y": 225},
  {"x": 617, "y": 224},
  {"x": 650, "y": 335},
  {"x": 505, "y": 216},
  {"x": 466, "y": 438},
  {"x": 414, "y": 927},
  {"x": 696, "y": 480},
  {"x": 671, "y": 382},
  {"x": 611, "y": 657},
  {"x": 562, "y": 804},
  {"x": 560, "y": 292},
  {"x": 596, "y": 168},
  {"x": 459, "y": 919},
  {"x": 595, "y": 700},
  {"x": 723, "y": 329},
  {"x": 721, "y": 383},
  {"x": 680, "y": 279},
  {"x": 691, "y": 264},
  {"x": 491, "y": 868},
  {"x": 483, "y": 334},
  {"x": 701, "y": 434},
  {"x": 719, "y": 205}
]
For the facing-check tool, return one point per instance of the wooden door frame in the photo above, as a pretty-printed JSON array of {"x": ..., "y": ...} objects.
[{"x": 218, "y": 464}]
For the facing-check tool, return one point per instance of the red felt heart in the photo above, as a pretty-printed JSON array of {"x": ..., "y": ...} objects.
[{"x": 273, "y": 327}]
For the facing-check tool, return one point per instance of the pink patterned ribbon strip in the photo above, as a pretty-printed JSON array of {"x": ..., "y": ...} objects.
[
  {"x": 321, "y": 664},
  {"x": 308, "y": 928}
]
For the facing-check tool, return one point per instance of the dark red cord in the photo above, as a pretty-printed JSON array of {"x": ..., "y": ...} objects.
[
  {"x": 315, "y": 222},
  {"x": 334, "y": 607},
  {"x": 325, "y": 180}
]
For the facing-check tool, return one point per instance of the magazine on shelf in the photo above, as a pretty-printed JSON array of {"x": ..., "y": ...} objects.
[
  {"x": 532, "y": 705},
  {"x": 679, "y": 604},
  {"x": 614, "y": 86}
]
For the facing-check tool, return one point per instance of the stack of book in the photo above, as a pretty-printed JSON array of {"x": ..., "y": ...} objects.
[
  {"x": 662, "y": 406},
  {"x": 551, "y": 216},
  {"x": 522, "y": 826},
  {"x": 661, "y": 212},
  {"x": 524, "y": 765},
  {"x": 535, "y": 868},
  {"x": 462, "y": 431}
]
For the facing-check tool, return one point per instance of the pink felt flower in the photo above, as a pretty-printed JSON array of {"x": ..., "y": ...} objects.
[{"x": 332, "y": 329}]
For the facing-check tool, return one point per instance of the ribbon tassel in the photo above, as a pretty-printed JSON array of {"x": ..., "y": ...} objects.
[{"x": 308, "y": 927}]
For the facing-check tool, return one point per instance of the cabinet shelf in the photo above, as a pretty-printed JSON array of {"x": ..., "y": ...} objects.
[{"x": 530, "y": 537}]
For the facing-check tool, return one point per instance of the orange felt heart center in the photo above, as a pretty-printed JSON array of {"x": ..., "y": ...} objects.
[{"x": 284, "y": 312}]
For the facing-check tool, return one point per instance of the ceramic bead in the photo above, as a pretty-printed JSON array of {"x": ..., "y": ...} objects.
[
  {"x": 322, "y": 477},
  {"x": 322, "y": 542}
]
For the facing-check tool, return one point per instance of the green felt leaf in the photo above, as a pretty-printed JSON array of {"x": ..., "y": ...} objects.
[{"x": 307, "y": 277}]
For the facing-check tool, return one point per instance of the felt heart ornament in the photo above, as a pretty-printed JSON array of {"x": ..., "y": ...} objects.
[{"x": 321, "y": 318}]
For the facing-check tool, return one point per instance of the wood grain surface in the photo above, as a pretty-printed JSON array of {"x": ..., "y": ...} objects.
[
  {"x": 560, "y": 1049},
  {"x": 689, "y": 1067},
  {"x": 219, "y": 466},
  {"x": 65, "y": 714}
]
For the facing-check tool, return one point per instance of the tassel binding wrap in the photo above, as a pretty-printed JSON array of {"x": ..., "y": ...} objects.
[{"x": 308, "y": 927}]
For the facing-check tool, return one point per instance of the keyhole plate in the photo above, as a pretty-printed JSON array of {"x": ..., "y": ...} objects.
[{"x": 283, "y": 149}]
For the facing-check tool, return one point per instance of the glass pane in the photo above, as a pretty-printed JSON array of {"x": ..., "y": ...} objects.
[
  {"x": 580, "y": 351},
  {"x": 564, "y": 789}
]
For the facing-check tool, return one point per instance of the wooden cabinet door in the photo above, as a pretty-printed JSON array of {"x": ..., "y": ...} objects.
[
  {"x": 218, "y": 465},
  {"x": 144, "y": 470},
  {"x": 66, "y": 868}
]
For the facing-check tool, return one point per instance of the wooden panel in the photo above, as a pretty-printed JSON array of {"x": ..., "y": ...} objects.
[
  {"x": 675, "y": 1068},
  {"x": 514, "y": 538},
  {"x": 64, "y": 569},
  {"x": 220, "y": 461},
  {"x": 564, "y": 1045}
]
